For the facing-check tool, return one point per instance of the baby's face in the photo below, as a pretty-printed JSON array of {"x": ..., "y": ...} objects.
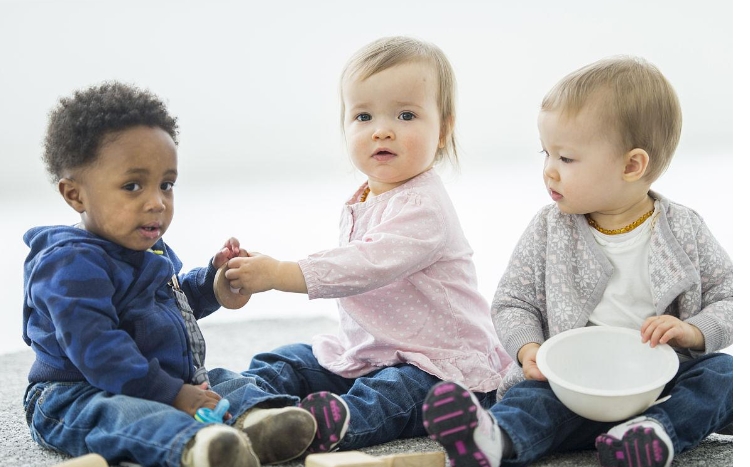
[
  {"x": 126, "y": 194},
  {"x": 392, "y": 123},
  {"x": 583, "y": 167}
]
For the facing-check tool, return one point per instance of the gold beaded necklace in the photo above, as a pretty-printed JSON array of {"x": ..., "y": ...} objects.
[
  {"x": 626, "y": 229},
  {"x": 364, "y": 194}
]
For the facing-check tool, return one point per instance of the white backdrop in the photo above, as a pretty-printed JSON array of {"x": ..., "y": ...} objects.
[{"x": 254, "y": 86}]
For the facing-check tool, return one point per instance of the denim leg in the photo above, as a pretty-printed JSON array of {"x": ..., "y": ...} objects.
[
  {"x": 701, "y": 402},
  {"x": 293, "y": 370},
  {"x": 385, "y": 405},
  {"x": 538, "y": 424},
  {"x": 77, "y": 418},
  {"x": 243, "y": 393}
]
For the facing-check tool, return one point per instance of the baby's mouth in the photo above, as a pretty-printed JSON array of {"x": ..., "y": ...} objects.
[
  {"x": 383, "y": 155},
  {"x": 151, "y": 230}
]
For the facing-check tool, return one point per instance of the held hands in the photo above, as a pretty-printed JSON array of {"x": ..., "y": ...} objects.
[
  {"x": 231, "y": 249},
  {"x": 193, "y": 397},
  {"x": 227, "y": 297},
  {"x": 259, "y": 273},
  {"x": 666, "y": 329},
  {"x": 527, "y": 357}
]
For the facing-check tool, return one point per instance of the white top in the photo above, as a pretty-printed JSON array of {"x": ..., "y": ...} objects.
[{"x": 628, "y": 299}]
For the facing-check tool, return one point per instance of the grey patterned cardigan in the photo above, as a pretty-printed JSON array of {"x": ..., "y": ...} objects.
[{"x": 557, "y": 275}]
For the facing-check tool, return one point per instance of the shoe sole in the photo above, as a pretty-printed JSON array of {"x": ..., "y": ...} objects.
[
  {"x": 282, "y": 438},
  {"x": 224, "y": 447},
  {"x": 332, "y": 415},
  {"x": 639, "y": 447},
  {"x": 450, "y": 417}
]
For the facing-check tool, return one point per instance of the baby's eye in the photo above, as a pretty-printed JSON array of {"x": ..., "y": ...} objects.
[
  {"x": 544, "y": 153},
  {"x": 363, "y": 117},
  {"x": 131, "y": 187},
  {"x": 407, "y": 116},
  {"x": 167, "y": 186},
  {"x": 565, "y": 160}
]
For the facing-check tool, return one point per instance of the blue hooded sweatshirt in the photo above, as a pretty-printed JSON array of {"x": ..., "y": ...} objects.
[{"x": 98, "y": 312}]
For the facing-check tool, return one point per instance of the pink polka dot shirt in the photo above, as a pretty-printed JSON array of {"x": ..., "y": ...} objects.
[{"x": 407, "y": 290}]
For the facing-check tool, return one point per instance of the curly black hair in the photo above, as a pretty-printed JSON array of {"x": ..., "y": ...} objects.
[{"x": 78, "y": 125}]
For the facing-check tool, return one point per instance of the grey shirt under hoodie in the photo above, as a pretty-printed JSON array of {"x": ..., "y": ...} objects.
[{"x": 557, "y": 275}]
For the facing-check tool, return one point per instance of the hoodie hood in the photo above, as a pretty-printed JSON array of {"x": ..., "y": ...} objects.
[{"x": 45, "y": 238}]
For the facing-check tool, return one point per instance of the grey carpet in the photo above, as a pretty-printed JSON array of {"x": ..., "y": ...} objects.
[{"x": 231, "y": 345}]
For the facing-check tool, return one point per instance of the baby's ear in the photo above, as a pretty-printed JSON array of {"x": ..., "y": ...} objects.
[
  {"x": 71, "y": 194},
  {"x": 636, "y": 163}
]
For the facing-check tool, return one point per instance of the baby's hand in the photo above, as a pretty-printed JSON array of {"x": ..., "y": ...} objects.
[
  {"x": 252, "y": 274},
  {"x": 527, "y": 357},
  {"x": 192, "y": 397},
  {"x": 231, "y": 249},
  {"x": 666, "y": 329},
  {"x": 227, "y": 296}
]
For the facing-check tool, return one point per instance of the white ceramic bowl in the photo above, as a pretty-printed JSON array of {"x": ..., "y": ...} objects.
[{"x": 606, "y": 373}]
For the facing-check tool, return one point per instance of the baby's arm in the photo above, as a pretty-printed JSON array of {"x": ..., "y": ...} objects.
[
  {"x": 408, "y": 239},
  {"x": 709, "y": 330},
  {"x": 259, "y": 273},
  {"x": 519, "y": 308},
  {"x": 715, "y": 320}
]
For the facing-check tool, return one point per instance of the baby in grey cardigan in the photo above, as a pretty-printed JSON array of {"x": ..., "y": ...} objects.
[{"x": 608, "y": 252}]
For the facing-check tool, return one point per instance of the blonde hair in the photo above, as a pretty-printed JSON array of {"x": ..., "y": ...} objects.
[
  {"x": 635, "y": 98},
  {"x": 388, "y": 52}
]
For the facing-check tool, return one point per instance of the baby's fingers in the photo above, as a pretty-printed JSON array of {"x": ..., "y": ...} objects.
[{"x": 657, "y": 330}]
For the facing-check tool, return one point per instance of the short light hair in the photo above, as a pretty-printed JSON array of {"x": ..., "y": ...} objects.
[
  {"x": 388, "y": 52},
  {"x": 634, "y": 97}
]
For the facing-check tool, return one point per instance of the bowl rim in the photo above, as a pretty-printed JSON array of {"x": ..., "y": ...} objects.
[{"x": 552, "y": 377}]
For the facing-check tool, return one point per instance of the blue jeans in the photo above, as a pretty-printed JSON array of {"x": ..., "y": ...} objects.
[
  {"x": 384, "y": 405},
  {"x": 76, "y": 418},
  {"x": 538, "y": 424}
]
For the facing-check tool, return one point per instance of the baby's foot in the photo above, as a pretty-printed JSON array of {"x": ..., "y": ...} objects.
[
  {"x": 332, "y": 415},
  {"x": 453, "y": 417},
  {"x": 219, "y": 445},
  {"x": 278, "y": 435},
  {"x": 641, "y": 441}
]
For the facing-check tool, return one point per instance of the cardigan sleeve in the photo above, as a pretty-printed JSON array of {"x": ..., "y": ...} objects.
[
  {"x": 717, "y": 291},
  {"x": 519, "y": 307}
]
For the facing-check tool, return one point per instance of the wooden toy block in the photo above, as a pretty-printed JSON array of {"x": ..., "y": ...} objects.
[
  {"x": 343, "y": 459},
  {"x": 415, "y": 459},
  {"x": 360, "y": 459},
  {"x": 89, "y": 460}
]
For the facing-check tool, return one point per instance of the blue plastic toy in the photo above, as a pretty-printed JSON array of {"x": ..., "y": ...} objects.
[{"x": 216, "y": 415}]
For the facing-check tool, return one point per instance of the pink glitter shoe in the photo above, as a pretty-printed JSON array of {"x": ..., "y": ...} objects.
[
  {"x": 332, "y": 415},
  {"x": 640, "y": 442},
  {"x": 453, "y": 417}
]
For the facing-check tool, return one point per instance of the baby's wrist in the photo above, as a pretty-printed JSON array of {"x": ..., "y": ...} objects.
[
  {"x": 290, "y": 278},
  {"x": 699, "y": 341}
]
